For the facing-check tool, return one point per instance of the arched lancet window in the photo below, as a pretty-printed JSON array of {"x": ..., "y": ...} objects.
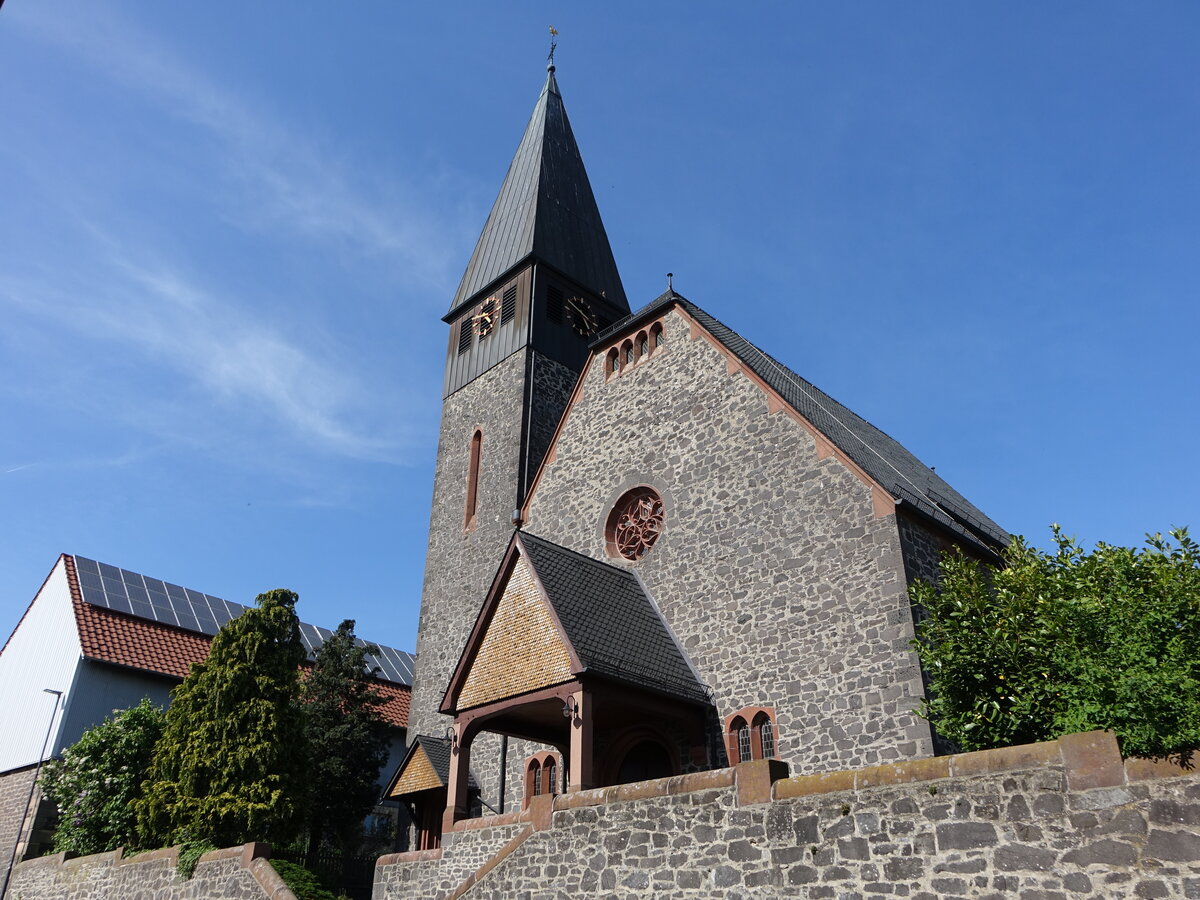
[
  {"x": 535, "y": 779},
  {"x": 766, "y": 735},
  {"x": 742, "y": 732},
  {"x": 550, "y": 771},
  {"x": 751, "y": 733},
  {"x": 643, "y": 345},
  {"x": 473, "y": 478},
  {"x": 612, "y": 364},
  {"x": 656, "y": 335},
  {"x": 627, "y": 353}
]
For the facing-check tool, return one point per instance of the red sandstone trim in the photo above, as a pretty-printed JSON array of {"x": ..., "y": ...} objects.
[
  {"x": 411, "y": 856},
  {"x": 882, "y": 502},
  {"x": 1092, "y": 759},
  {"x": 508, "y": 818}
]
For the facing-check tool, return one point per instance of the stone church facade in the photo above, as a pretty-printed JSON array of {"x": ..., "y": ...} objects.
[{"x": 653, "y": 548}]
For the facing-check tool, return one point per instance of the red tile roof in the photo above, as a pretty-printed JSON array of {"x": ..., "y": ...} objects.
[{"x": 125, "y": 640}]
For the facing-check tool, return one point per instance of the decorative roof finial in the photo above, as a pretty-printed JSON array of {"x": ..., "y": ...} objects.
[
  {"x": 553, "y": 47},
  {"x": 670, "y": 286}
]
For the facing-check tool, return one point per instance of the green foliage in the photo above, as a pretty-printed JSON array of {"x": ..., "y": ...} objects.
[
  {"x": 347, "y": 739},
  {"x": 190, "y": 851},
  {"x": 303, "y": 883},
  {"x": 231, "y": 760},
  {"x": 1050, "y": 644},
  {"x": 99, "y": 777}
]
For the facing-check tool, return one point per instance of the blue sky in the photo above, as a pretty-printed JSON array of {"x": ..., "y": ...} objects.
[{"x": 228, "y": 232}]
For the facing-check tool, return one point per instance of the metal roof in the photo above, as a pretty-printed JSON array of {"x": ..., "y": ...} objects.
[
  {"x": 610, "y": 620},
  {"x": 881, "y": 456},
  {"x": 150, "y": 598},
  {"x": 545, "y": 210}
]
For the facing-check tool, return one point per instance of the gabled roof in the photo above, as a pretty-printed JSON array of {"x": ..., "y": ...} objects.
[
  {"x": 882, "y": 457},
  {"x": 609, "y": 622},
  {"x": 546, "y": 210},
  {"x": 436, "y": 751},
  {"x": 120, "y": 635}
]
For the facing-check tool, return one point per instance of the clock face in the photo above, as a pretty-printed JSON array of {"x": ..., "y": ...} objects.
[
  {"x": 485, "y": 319},
  {"x": 583, "y": 320}
]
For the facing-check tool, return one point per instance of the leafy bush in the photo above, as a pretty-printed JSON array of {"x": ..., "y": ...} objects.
[
  {"x": 190, "y": 851},
  {"x": 99, "y": 777},
  {"x": 1050, "y": 644},
  {"x": 303, "y": 883}
]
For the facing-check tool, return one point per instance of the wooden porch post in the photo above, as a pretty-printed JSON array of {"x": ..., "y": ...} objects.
[
  {"x": 457, "y": 800},
  {"x": 582, "y": 777}
]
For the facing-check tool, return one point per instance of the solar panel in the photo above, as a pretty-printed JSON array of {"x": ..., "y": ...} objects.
[{"x": 159, "y": 601}]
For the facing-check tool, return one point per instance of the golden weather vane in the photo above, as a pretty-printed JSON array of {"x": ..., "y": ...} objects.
[{"x": 553, "y": 42}]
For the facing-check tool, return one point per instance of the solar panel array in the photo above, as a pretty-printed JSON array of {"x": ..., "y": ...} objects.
[{"x": 160, "y": 601}]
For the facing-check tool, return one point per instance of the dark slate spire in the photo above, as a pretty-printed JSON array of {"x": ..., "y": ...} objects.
[{"x": 545, "y": 210}]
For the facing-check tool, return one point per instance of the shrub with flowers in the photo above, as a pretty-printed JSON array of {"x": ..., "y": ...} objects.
[{"x": 98, "y": 777}]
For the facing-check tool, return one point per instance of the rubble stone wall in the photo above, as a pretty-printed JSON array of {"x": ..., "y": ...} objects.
[
  {"x": 237, "y": 873},
  {"x": 14, "y": 795},
  {"x": 773, "y": 569},
  {"x": 1064, "y": 820}
]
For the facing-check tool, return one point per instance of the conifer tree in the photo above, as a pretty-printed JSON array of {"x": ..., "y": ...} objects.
[
  {"x": 230, "y": 765},
  {"x": 347, "y": 738}
]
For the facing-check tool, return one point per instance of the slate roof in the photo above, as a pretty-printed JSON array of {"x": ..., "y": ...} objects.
[
  {"x": 882, "y": 457},
  {"x": 611, "y": 621},
  {"x": 545, "y": 209},
  {"x": 129, "y": 640},
  {"x": 437, "y": 750}
]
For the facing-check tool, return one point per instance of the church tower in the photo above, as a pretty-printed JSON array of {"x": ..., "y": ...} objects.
[{"x": 540, "y": 284}]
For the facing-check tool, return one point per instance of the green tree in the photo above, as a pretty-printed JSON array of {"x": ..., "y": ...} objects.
[
  {"x": 347, "y": 740},
  {"x": 97, "y": 779},
  {"x": 230, "y": 766},
  {"x": 1052, "y": 643}
]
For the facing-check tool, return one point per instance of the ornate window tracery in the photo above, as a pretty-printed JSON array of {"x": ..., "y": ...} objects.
[{"x": 635, "y": 523}]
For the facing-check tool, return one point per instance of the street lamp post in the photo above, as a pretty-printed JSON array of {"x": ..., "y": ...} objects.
[{"x": 12, "y": 859}]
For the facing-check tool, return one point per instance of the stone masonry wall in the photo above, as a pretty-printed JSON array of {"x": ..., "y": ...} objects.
[
  {"x": 436, "y": 873},
  {"x": 14, "y": 794},
  {"x": 460, "y": 563},
  {"x": 238, "y": 873},
  {"x": 781, "y": 583},
  {"x": 1064, "y": 820}
]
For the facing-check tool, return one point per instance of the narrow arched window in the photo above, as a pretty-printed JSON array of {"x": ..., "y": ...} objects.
[
  {"x": 551, "y": 772},
  {"x": 613, "y": 363},
  {"x": 643, "y": 345},
  {"x": 536, "y": 772},
  {"x": 766, "y": 735},
  {"x": 741, "y": 731},
  {"x": 473, "y": 477},
  {"x": 627, "y": 352},
  {"x": 656, "y": 335}
]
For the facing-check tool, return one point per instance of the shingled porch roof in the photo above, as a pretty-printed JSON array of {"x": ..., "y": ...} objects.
[{"x": 605, "y": 616}]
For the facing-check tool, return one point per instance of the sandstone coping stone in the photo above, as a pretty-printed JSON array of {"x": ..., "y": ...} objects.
[
  {"x": 1092, "y": 759},
  {"x": 409, "y": 856},
  {"x": 1137, "y": 769},
  {"x": 755, "y": 779}
]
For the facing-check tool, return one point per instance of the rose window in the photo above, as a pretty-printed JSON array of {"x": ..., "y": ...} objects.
[{"x": 635, "y": 523}]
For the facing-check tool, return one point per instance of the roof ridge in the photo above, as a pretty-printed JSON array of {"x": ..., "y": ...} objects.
[
  {"x": 971, "y": 518},
  {"x": 582, "y": 556}
]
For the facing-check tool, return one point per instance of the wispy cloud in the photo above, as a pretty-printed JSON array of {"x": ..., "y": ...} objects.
[
  {"x": 285, "y": 180},
  {"x": 231, "y": 359},
  {"x": 168, "y": 340}
]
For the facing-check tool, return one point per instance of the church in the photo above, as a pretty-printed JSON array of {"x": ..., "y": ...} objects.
[{"x": 654, "y": 549}]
